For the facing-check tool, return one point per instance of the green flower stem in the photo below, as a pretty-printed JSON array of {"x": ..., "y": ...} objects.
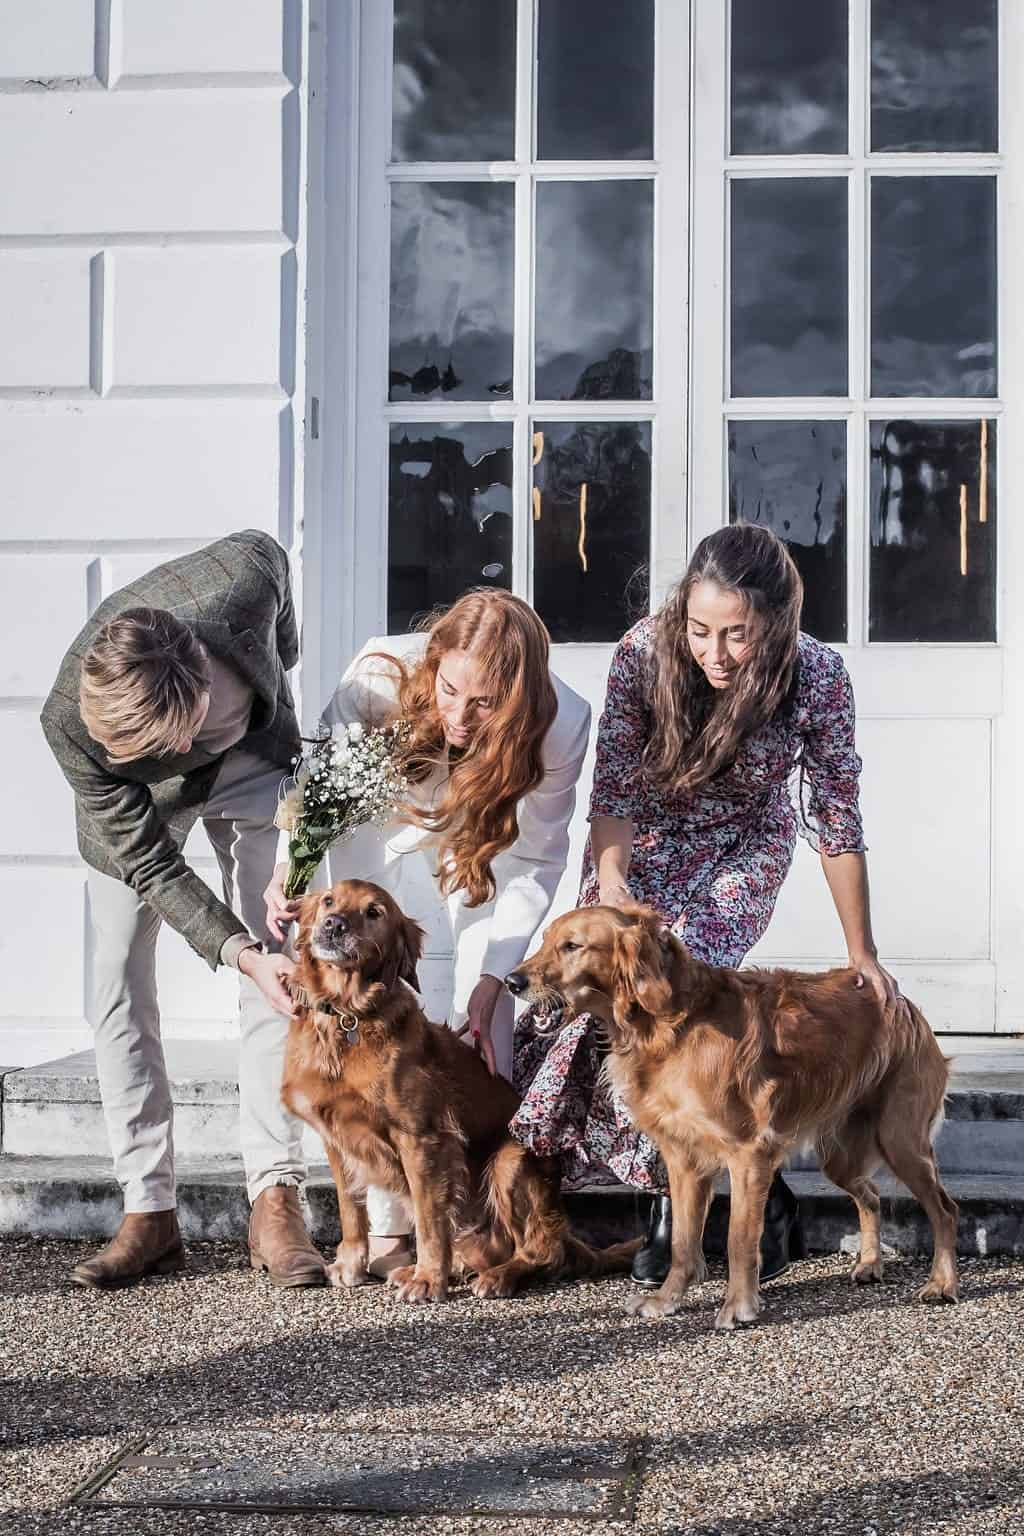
[{"x": 300, "y": 873}]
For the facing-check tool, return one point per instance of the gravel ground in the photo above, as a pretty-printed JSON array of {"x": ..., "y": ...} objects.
[{"x": 844, "y": 1411}]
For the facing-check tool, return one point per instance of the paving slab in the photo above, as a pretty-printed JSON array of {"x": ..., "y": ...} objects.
[{"x": 258, "y": 1471}]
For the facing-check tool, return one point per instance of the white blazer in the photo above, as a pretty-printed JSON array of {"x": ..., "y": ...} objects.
[{"x": 492, "y": 938}]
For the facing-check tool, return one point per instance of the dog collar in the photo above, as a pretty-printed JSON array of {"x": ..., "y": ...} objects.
[{"x": 348, "y": 1022}]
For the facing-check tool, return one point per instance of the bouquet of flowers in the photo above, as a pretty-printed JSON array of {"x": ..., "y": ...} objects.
[{"x": 349, "y": 776}]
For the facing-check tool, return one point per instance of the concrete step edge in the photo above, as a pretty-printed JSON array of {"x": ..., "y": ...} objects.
[
  {"x": 79, "y": 1198},
  {"x": 976, "y": 1100}
]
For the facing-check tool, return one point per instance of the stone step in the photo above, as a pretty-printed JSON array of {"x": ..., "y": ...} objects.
[
  {"x": 54, "y": 1109},
  {"x": 77, "y": 1197}
]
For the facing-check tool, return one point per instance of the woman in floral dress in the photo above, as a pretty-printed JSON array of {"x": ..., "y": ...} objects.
[{"x": 713, "y": 705}]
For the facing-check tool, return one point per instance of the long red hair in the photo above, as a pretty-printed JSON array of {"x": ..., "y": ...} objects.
[{"x": 476, "y": 817}]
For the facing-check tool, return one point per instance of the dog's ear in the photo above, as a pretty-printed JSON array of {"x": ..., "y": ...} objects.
[
  {"x": 308, "y": 908},
  {"x": 405, "y": 954},
  {"x": 641, "y": 985}
]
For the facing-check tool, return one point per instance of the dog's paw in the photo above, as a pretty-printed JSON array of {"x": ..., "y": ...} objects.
[
  {"x": 348, "y": 1269},
  {"x": 492, "y": 1285},
  {"x": 736, "y": 1312},
  {"x": 413, "y": 1284},
  {"x": 938, "y": 1291},
  {"x": 867, "y": 1274},
  {"x": 651, "y": 1308}
]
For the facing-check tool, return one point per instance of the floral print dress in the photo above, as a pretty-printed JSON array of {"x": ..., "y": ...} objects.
[{"x": 711, "y": 863}]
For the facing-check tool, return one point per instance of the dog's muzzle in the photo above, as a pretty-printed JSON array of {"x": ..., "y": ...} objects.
[
  {"x": 547, "y": 1009},
  {"x": 334, "y": 940}
]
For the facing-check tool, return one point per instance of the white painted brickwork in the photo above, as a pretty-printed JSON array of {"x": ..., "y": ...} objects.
[
  {"x": 45, "y": 319},
  {"x": 207, "y": 37},
  {"x": 47, "y": 40},
  {"x": 150, "y": 342},
  {"x": 147, "y": 162},
  {"x": 207, "y": 315}
]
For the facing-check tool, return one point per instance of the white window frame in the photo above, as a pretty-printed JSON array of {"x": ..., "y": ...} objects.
[
  {"x": 356, "y": 496},
  {"x": 711, "y": 407}
]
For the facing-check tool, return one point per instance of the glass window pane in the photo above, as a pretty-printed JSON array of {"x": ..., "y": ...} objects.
[
  {"x": 789, "y": 77},
  {"x": 790, "y": 476},
  {"x": 449, "y": 514},
  {"x": 591, "y": 527},
  {"x": 933, "y": 285},
  {"x": 454, "y": 83},
  {"x": 595, "y": 80},
  {"x": 933, "y": 530},
  {"x": 934, "y": 74},
  {"x": 452, "y": 261},
  {"x": 789, "y": 302},
  {"x": 594, "y": 290}
]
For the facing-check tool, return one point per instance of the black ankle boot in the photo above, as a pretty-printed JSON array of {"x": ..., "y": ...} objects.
[
  {"x": 654, "y": 1260},
  {"x": 782, "y": 1240}
]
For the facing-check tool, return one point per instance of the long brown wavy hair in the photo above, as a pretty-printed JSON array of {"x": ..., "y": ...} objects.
[
  {"x": 476, "y": 817},
  {"x": 698, "y": 730}
]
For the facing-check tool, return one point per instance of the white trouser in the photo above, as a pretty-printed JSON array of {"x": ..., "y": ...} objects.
[
  {"x": 394, "y": 858},
  {"x": 125, "y": 1015}
]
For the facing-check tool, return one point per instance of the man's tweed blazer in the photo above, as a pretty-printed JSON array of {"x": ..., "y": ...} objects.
[{"x": 133, "y": 818}]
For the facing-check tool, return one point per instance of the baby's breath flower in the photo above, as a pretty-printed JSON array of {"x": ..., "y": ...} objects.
[{"x": 349, "y": 776}]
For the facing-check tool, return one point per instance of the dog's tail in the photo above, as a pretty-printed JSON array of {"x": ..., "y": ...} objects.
[{"x": 525, "y": 1206}]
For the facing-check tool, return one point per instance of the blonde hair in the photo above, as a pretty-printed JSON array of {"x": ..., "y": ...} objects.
[
  {"x": 142, "y": 681},
  {"x": 476, "y": 818}
]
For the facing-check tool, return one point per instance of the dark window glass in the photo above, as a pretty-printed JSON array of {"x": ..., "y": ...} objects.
[
  {"x": 452, "y": 262},
  {"x": 591, "y": 527},
  {"x": 449, "y": 514},
  {"x": 454, "y": 84},
  {"x": 790, "y": 476},
  {"x": 934, "y": 74},
  {"x": 933, "y": 530},
  {"x": 789, "y": 303},
  {"x": 789, "y": 74},
  {"x": 933, "y": 285},
  {"x": 595, "y": 80},
  {"x": 594, "y": 290}
]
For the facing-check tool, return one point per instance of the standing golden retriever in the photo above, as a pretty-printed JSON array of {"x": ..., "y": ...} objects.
[
  {"x": 737, "y": 1069},
  {"x": 402, "y": 1103}
]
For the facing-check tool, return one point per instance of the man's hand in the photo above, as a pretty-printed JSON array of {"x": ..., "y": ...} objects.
[
  {"x": 270, "y": 973},
  {"x": 281, "y": 912}
]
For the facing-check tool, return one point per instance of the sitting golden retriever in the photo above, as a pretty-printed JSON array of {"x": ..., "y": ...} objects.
[
  {"x": 401, "y": 1103},
  {"x": 736, "y": 1069}
]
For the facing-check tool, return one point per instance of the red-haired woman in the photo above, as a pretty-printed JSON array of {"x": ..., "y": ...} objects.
[
  {"x": 496, "y": 747},
  {"x": 711, "y": 705}
]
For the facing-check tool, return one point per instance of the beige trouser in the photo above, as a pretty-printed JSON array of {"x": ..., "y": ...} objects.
[{"x": 125, "y": 1015}]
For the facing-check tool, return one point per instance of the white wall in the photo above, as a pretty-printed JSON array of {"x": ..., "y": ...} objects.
[{"x": 151, "y": 233}]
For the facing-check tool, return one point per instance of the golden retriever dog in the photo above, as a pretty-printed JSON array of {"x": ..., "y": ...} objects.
[
  {"x": 737, "y": 1069},
  {"x": 403, "y": 1104}
]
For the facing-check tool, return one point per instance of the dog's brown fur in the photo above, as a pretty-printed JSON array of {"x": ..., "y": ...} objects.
[
  {"x": 404, "y": 1105},
  {"x": 737, "y": 1069}
]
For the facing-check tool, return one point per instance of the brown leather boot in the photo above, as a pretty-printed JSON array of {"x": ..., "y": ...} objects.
[
  {"x": 146, "y": 1243},
  {"x": 279, "y": 1242}
]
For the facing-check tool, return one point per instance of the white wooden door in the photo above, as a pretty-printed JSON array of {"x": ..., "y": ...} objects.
[{"x": 853, "y": 363}]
